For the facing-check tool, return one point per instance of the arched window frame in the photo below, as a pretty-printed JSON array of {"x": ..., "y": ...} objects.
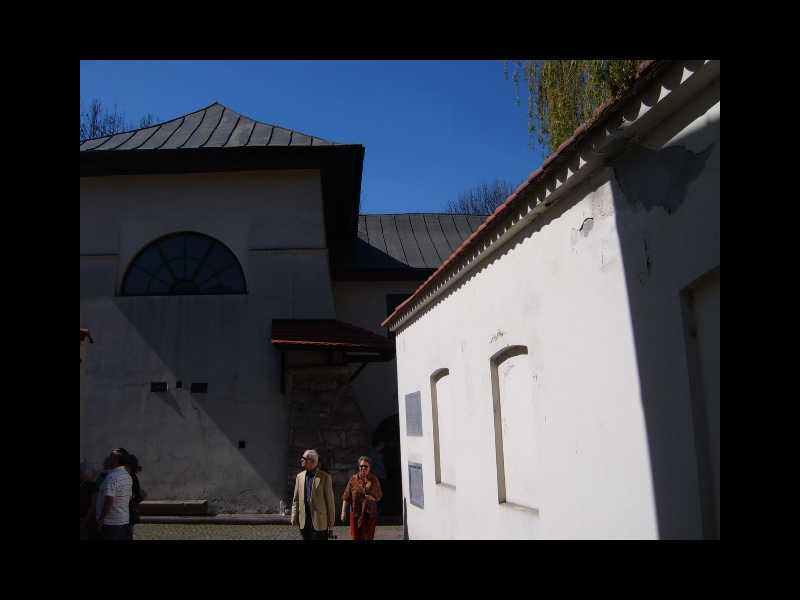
[
  {"x": 213, "y": 242},
  {"x": 495, "y": 362},
  {"x": 435, "y": 378}
]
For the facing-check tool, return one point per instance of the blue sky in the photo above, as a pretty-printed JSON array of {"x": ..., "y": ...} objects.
[{"x": 431, "y": 129}]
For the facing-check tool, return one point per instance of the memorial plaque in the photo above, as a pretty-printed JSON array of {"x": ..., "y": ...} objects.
[
  {"x": 413, "y": 414},
  {"x": 415, "y": 484}
]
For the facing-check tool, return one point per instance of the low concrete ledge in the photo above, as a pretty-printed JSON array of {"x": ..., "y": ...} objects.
[
  {"x": 183, "y": 508},
  {"x": 240, "y": 519}
]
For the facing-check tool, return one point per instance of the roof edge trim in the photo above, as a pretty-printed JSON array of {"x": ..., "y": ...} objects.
[{"x": 589, "y": 147}]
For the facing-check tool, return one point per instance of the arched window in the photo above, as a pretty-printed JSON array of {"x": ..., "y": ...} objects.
[
  {"x": 444, "y": 428},
  {"x": 184, "y": 264},
  {"x": 516, "y": 444}
]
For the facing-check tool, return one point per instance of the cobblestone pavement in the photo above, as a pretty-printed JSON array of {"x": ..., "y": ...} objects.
[{"x": 212, "y": 531}]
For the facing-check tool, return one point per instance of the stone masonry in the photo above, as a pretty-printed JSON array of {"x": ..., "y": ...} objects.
[{"x": 324, "y": 415}]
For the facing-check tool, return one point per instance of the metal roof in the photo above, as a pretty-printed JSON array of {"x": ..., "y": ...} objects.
[
  {"x": 215, "y": 126},
  {"x": 312, "y": 334},
  {"x": 403, "y": 241}
]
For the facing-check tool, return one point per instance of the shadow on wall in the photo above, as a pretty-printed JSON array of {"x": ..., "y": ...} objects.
[
  {"x": 650, "y": 190},
  {"x": 205, "y": 339},
  {"x": 386, "y": 438}
]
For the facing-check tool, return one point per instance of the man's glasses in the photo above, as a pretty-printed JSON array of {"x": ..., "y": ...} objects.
[{"x": 363, "y": 466}]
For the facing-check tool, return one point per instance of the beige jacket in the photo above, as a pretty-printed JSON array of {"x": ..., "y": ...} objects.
[{"x": 322, "y": 504}]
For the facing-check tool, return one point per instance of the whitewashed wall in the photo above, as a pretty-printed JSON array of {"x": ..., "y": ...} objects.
[
  {"x": 188, "y": 443},
  {"x": 598, "y": 416}
]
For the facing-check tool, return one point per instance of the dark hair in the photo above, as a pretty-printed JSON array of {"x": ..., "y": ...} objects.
[
  {"x": 133, "y": 463},
  {"x": 123, "y": 456}
]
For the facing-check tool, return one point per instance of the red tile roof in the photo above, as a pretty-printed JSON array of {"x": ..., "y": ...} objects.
[
  {"x": 317, "y": 334},
  {"x": 647, "y": 70}
]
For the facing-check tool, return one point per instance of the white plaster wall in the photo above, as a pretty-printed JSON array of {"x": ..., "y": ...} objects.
[
  {"x": 592, "y": 289},
  {"x": 273, "y": 222}
]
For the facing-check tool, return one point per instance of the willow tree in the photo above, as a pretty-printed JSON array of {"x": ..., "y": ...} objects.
[{"x": 562, "y": 94}]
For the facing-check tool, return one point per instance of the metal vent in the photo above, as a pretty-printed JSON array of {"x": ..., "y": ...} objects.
[
  {"x": 415, "y": 484},
  {"x": 413, "y": 414}
]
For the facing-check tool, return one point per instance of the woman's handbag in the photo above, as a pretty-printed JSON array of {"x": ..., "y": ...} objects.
[{"x": 371, "y": 508}]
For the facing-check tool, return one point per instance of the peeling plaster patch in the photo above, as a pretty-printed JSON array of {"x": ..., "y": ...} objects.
[
  {"x": 586, "y": 226},
  {"x": 500, "y": 333},
  {"x": 651, "y": 178}
]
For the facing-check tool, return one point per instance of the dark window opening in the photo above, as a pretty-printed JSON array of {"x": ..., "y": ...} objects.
[
  {"x": 184, "y": 264},
  {"x": 158, "y": 387},
  {"x": 199, "y": 388}
]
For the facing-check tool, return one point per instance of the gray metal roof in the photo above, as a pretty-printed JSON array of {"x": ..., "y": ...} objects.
[
  {"x": 215, "y": 126},
  {"x": 416, "y": 240}
]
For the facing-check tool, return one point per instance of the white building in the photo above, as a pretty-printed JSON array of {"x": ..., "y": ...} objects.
[
  {"x": 234, "y": 294},
  {"x": 559, "y": 374}
]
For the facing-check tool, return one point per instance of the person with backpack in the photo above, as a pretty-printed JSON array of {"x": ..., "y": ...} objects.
[
  {"x": 113, "y": 499},
  {"x": 133, "y": 467}
]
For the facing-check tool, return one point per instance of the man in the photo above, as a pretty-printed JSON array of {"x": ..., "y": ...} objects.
[
  {"x": 113, "y": 499},
  {"x": 312, "y": 503}
]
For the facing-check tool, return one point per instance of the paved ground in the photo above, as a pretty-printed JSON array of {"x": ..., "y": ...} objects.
[{"x": 148, "y": 531}]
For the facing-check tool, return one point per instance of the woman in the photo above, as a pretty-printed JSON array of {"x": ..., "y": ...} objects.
[{"x": 362, "y": 494}]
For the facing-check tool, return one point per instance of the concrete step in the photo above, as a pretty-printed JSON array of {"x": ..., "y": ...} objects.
[
  {"x": 223, "y": 519},
  {"x": 178, "y": 508},
  {"x": 244, "y": 519}
]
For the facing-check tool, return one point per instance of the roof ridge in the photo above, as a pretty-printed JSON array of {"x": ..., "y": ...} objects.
[
  {"x": 224, "y": 107},
  {"x": 153, "y": 125},
  {"x": 273, "y": 125}
]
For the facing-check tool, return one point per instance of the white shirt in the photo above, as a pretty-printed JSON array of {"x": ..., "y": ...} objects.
[{"x": 119, "y": 485}]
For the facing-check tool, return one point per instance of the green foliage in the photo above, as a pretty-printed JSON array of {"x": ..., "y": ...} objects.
[{"x": 562, "y": 94}]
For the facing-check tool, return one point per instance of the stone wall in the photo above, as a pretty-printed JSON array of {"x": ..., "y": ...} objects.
[{"x": 324, "y": 415}]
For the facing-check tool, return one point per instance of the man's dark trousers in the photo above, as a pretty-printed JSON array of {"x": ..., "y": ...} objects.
[
  {"x": 309, "y": 533},
  {"x": 115, "y": 532}
]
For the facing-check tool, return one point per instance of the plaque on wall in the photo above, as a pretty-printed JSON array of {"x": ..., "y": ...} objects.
[
  {"x": 413, "y": 414},
  {"x": 415, "y": 485}
]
